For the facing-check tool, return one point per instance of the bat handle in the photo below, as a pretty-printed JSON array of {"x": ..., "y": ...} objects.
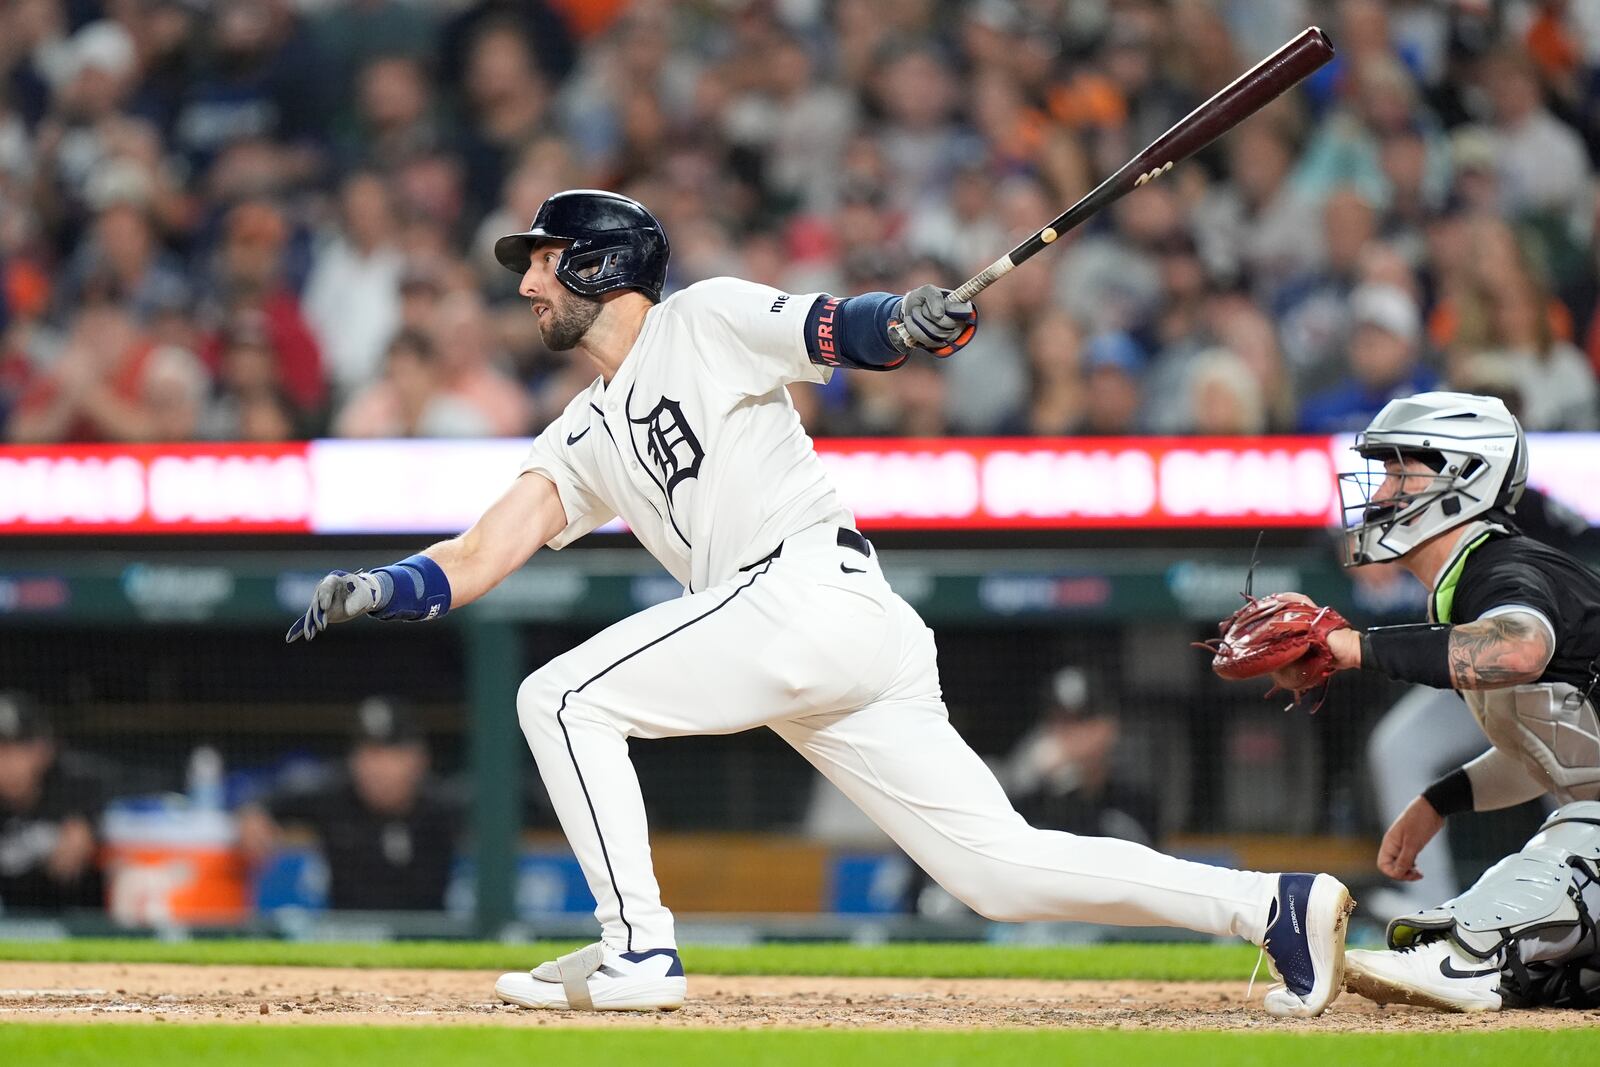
[{"x": 983, "y": 279}]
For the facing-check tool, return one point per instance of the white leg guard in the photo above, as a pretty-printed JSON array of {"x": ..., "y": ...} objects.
[{"x": 1536, "y": 907}]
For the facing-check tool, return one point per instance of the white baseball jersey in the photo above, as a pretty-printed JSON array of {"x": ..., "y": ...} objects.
[{"x": 695, "y": 442}]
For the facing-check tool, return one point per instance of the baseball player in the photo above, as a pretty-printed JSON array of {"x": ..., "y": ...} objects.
[
  {"x": 1514, "y": 626},
  {"x": 786, "y": 621}
]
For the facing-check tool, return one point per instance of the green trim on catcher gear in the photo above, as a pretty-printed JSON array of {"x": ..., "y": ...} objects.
[{"x": 1444, "y": 597}]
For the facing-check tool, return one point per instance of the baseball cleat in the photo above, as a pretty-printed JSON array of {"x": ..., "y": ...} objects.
[
  {"x": 1305, "y": 944},
  {"x": 1433, "y": 974},
  {"x": 597, "y": 978}
]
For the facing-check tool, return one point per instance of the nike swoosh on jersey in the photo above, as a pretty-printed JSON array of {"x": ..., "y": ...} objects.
[
  {"x": 1450, "y": 972},
  {"x": 852, "y": 570},
  {"x": 575, "y": 438}
]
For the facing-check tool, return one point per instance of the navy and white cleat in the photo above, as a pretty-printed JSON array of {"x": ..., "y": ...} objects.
[
  {"x": 597, "y": 978},
  {"x": 1305, "y": 944}
]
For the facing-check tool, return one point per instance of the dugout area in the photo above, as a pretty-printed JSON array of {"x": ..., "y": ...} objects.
[{"x": 141, "y": 656}]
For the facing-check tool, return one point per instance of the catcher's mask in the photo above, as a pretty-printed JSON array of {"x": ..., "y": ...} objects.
[{"x": 1473, "y": 460}]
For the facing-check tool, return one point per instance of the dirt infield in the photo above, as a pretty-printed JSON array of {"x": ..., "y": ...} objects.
[{"x": 78, "y": 992}]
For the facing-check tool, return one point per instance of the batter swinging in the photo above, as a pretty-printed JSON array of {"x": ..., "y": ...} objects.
[{"x": 786, "y": 620}]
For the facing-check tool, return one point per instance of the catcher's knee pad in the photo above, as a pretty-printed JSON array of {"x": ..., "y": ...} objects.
[{"x": 1535, "y": 891}]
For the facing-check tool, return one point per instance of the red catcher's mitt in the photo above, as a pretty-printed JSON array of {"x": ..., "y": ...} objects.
[{"x": 1285, "y": 635}]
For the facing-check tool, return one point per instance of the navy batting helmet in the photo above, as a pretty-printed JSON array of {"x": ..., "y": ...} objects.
[{"x": 615, "y": 243}]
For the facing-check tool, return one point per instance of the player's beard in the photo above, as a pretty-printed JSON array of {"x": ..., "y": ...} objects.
[{"x": 568, "y": 321}]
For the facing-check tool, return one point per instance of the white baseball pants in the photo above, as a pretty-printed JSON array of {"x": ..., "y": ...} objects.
[{"x": 815, "y": 645}]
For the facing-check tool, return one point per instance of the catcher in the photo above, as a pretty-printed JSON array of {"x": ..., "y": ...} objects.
[{"x": 1515, "y": 627}]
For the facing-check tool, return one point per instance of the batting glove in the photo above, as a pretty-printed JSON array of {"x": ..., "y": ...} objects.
[
  {"x": 934, "y": 322},
  {"x": 340, "y": 597}
]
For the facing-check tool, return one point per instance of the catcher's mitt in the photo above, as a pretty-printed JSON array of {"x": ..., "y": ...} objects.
[{"x": 1284, "y": 635}]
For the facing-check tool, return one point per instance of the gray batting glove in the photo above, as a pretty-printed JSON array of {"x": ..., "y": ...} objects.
[
  {"x": 340, "y": 597},
  {"x": 934, "y": 322}
]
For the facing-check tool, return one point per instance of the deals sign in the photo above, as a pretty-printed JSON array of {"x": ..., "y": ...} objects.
[
  {"x": 439, "y": 487},
  {"x": 1083, "y": 483},
  {"x": 156, "y": 489}
]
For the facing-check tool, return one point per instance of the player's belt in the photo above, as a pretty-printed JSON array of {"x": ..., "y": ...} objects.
[{"x": 847, "y": 538}]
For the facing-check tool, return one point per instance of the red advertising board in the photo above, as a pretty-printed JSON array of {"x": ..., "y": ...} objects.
[{"x": 433, "y": 487}]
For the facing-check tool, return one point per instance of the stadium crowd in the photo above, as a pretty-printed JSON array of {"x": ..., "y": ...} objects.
[{"x": 271, "y": 219}]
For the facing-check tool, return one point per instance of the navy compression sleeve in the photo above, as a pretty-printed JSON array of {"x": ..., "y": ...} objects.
[{"x": 853, "y": 332}]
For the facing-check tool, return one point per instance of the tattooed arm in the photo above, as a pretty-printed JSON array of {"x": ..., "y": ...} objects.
[
  {"x": 1491, "y": 653},
  {"x": 1500, "y": 651}
]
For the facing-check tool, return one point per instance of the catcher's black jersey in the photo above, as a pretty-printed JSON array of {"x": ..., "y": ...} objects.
[{"x": 1513, "y": 569}]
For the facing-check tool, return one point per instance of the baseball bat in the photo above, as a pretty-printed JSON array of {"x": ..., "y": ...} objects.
[{"x": 1247, "y": 94}]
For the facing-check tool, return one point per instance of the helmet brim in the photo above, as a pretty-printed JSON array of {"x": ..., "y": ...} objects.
[{"x": 515, "y": 250}]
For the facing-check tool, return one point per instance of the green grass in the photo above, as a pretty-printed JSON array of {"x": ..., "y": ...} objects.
[
  {"x": 276, "y": 1046},
  {"x": 1174, "y": 962}
]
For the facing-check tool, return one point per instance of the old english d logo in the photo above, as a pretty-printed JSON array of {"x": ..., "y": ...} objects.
[{"x": 670, "y": 442}]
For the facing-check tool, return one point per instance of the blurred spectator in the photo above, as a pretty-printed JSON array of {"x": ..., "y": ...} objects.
[
  {"x": 249, "y": 293},
  {"x": 90, "y": 83},
  {"x": 1253, "y": 227},
  {"x": 1057, "y": 398},
  {"x": 260, "y": 91},
  {"x": 409, "y": 400},
  {"x": 1224, "y": 396},
  {"x": 1114, "y": 365},
  {"x": 1542, "y": 166},
  {"x": 1557, "y": 385},
  {"x": 48, "y": 814},
  {"x": 1112, "y": 280},
  {"x": 249, "y": 397},
  {"x": 1385, "y": 362},
  {"x": 916, "y": 90},
  {"x": 799, "y": 122},
  {"x": 352, "y": 34},
  {"x": 506, "y": 100},
  {"x": 169, "y": 39},
  {"x": 396, "y": 114},
  {"x": 461, "y": 334},
  {"x": 1245, "y": 330},
  {"x": 641, "y": 55},
  {"x": 113, "y": 383},
  {"x": 1312, "y": 307},
  {"x": 352, "y": 296},
  {"x": 386, "y": 830},
  {"x": 1062, "y": 776},
  {"x": 1348, "y": 147},
  {"x": 122, "y": 261}
]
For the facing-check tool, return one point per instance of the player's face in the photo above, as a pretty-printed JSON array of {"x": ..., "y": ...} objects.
[
  {"x": 1403, "y": 477},
  {"x": 564, "y": 316}
]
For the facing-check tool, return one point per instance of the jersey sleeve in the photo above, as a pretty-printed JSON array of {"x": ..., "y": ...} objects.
[
  {"x": 751, "y": 337},
  {"x": 562, "y": 454},
  {"x": 1505, "y": 585}
]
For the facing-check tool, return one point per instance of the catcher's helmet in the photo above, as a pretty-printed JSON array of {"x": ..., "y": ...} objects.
[
  {"x": 615, "y": 243},
  {"x": 1477, "y": 453}
]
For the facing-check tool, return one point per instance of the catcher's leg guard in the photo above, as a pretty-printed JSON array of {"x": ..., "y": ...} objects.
[{"x": 1537, "y": 906}]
